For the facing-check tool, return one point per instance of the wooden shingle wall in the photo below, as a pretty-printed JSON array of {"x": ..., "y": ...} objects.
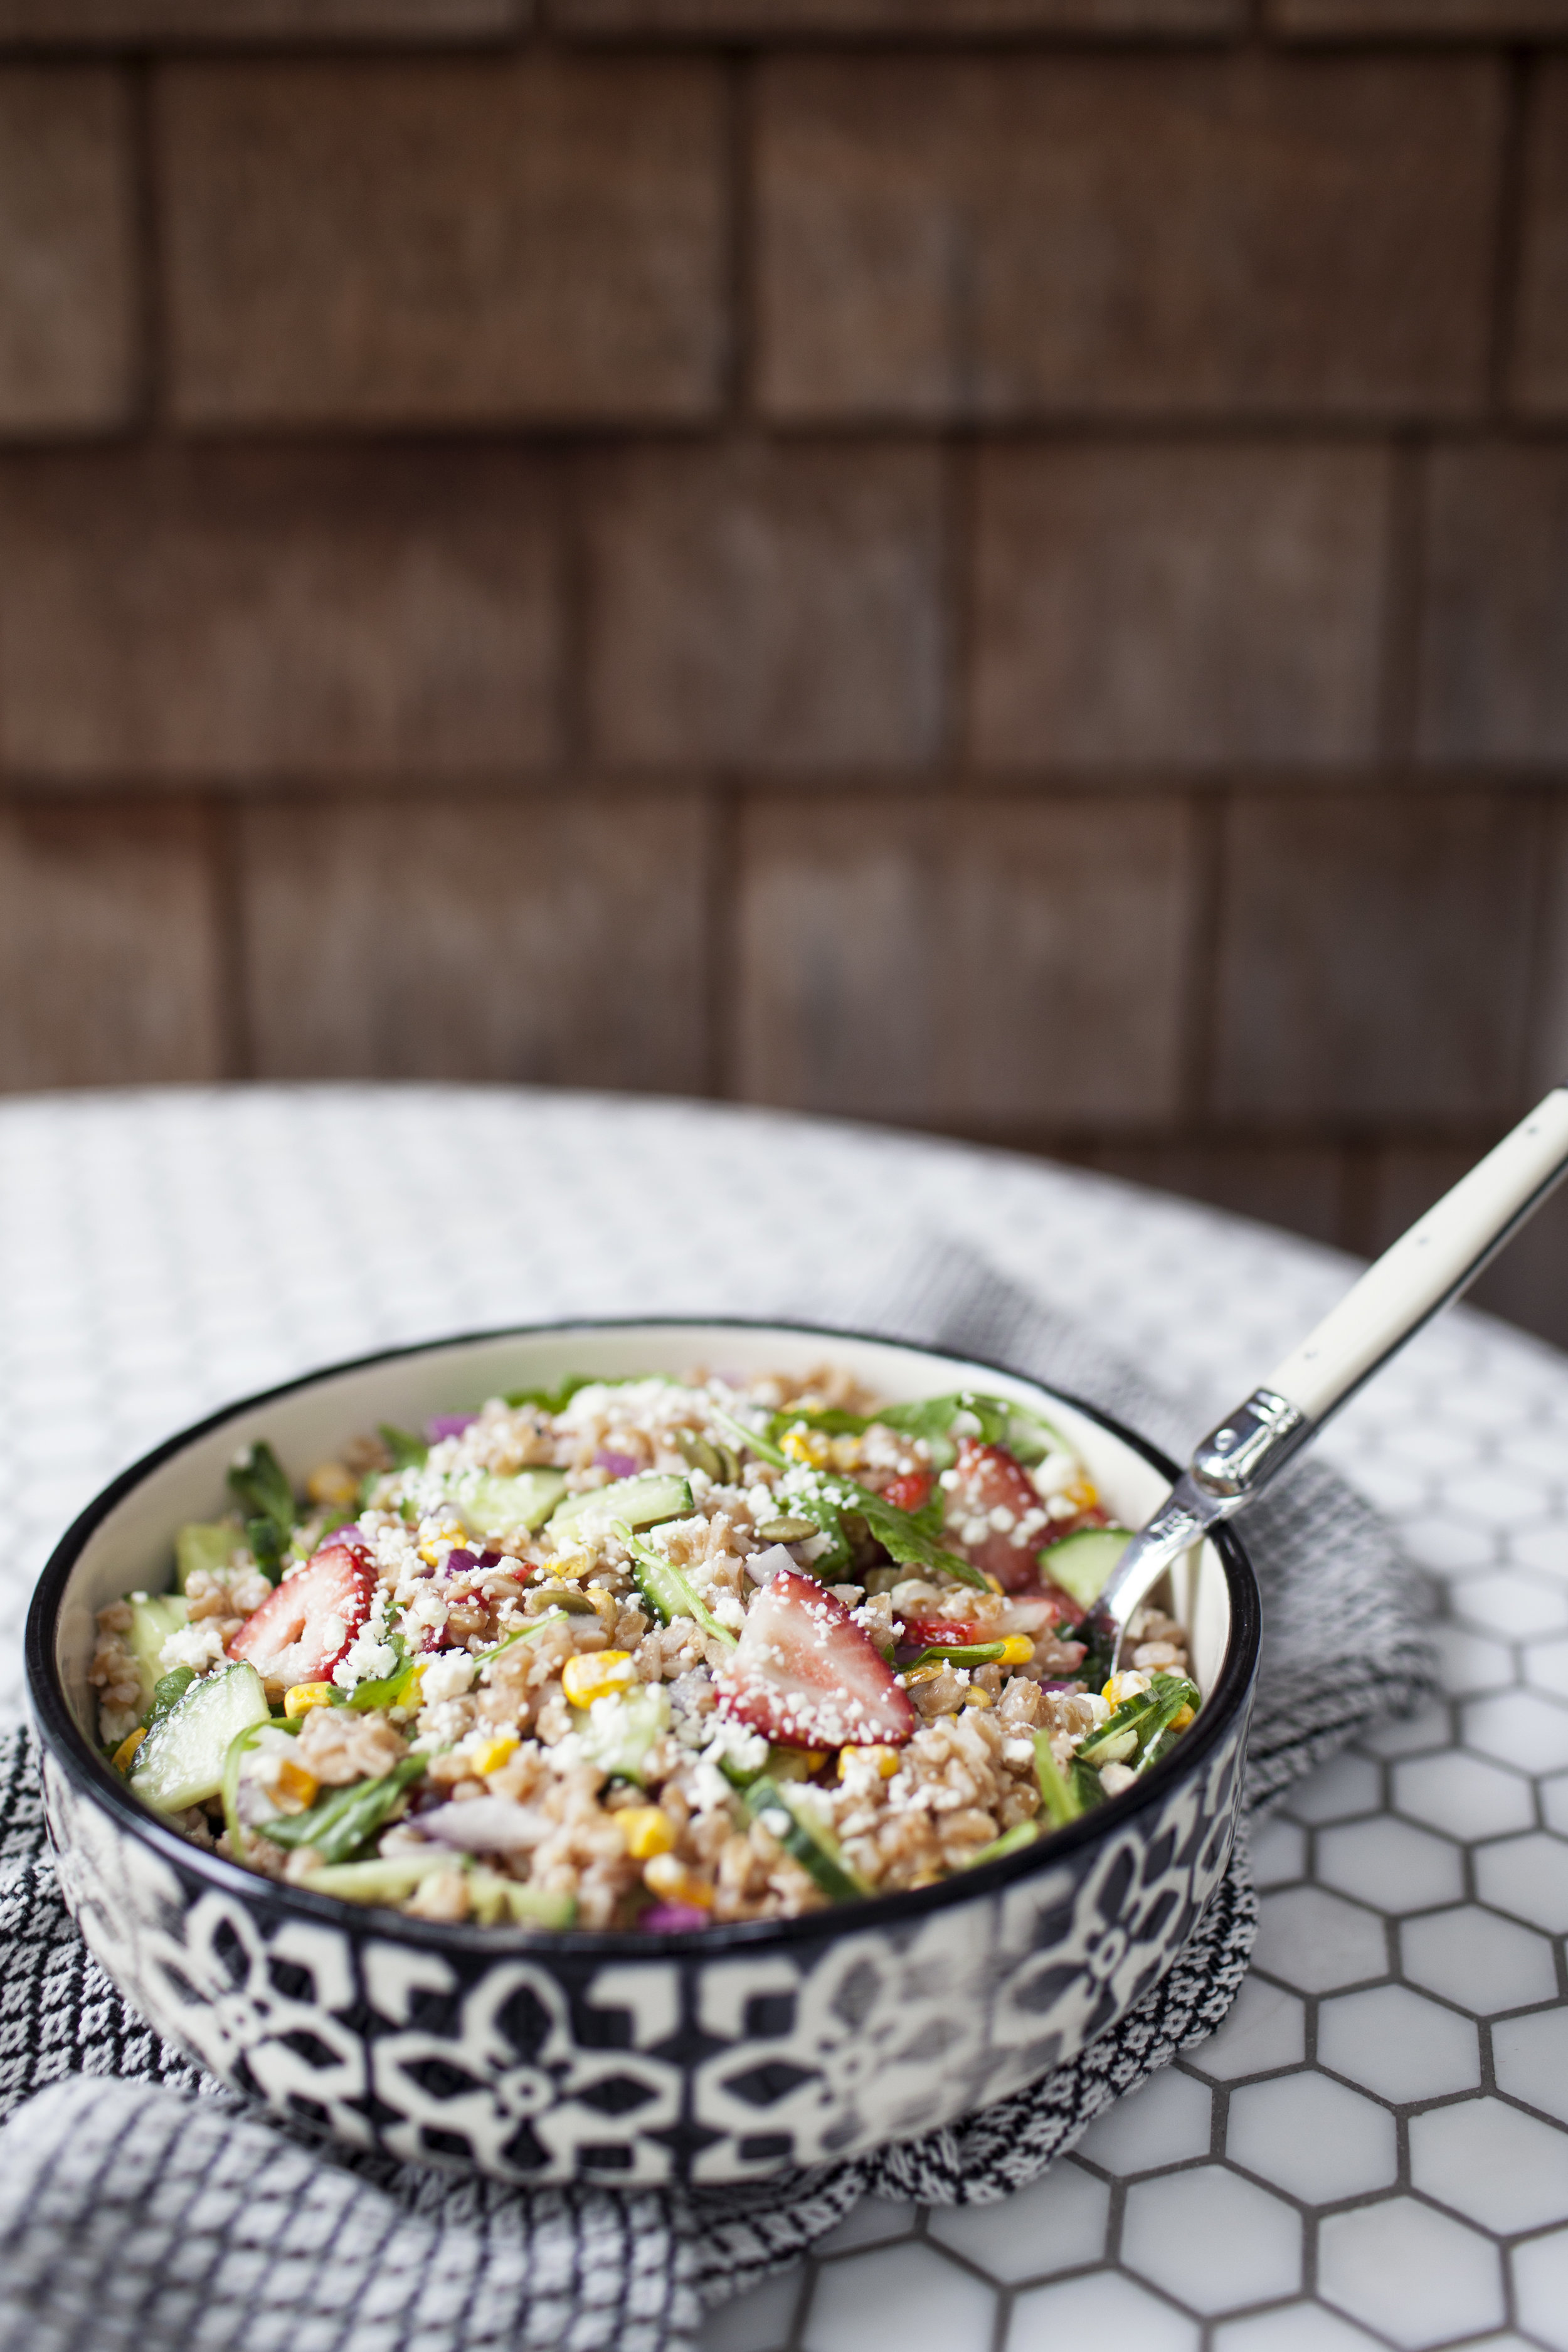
[{"x": 997, "y": 564}]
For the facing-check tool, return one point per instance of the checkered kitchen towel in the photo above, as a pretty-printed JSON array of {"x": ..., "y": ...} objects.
[{"x": 143, "y": 2207}]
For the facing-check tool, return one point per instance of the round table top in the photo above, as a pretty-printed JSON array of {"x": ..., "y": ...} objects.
[{"x": 1374, "y": 2148}]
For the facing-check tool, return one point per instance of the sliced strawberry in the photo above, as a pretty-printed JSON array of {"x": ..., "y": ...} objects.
[
  {"x": 912, "y": 1492},
  {"x": 302, "y": 1629},
  {"x": 804, "y": 1674},
  {"x": 988, "y": 1478}
]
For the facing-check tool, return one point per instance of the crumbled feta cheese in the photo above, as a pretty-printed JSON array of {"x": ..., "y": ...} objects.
[
  {"x": 196, "y": 1647},
  {"x": 447, "y": 1675}
]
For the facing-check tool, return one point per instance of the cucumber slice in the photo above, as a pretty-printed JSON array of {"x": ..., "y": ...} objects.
[
  {"x": 804, "y": 1839},
  {"x": 389, "y": 1878},
  {"x": 152, "y": 1622},
  {"x": 204, "y": 1544},
  {"x": 640, "y": 1502},
  {"x": 182, "y": 1759},
  {"x": 618, "y": 1731},
  {"x": 1081, "y": 1562},
  {"x": 493, "y": 1506}
]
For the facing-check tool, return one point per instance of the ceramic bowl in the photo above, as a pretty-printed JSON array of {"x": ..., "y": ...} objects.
[{"x": 720, "y": 2055}]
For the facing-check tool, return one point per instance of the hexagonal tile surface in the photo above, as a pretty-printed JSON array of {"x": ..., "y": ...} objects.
[
  {"x": 1314, "y": 1941},
  {"x": 908, "y": 2294},
  {"x": 1057, "y": 2224},
  {"x": 1211, "y": 2239},
  {"x": 1267, "y": 2029},
  {"x": 1463, "y": 1795},
  {"x": 1485, "y": 2161},
  {"x": 1486, "y": 1964},
  {"x": 1339, "y": 1792},
  {"x": 1392, "y": 1863},
  {"x": 1296, "y": 2327},
  {"x": 1398, "y": 2044},
  {"x": 1529, "y": 2056},
  {"x": 1512, "y": 1603},
  {"x": 1416, "y": 2275},
  {"x": 1529, "y": 1876},
  {"x": 1089, "y": 2310},
  {"x": 1518, "y": 1728},
  {"x": 1169, "y": 2120},
  {"x": 1312, "y": 2138},
  {"x": 1541, "y": 2288}
]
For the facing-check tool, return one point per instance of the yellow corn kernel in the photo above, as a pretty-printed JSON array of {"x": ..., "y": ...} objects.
[
  {"x": 884, "y": 1760},
  {"x": 1124, "y": 1687},
  {"x": 1180, "y": 1720},
  {"x": 978, "y": 1695},
  {"x": 330, "y": 1484},
  {"x": 845, "y": 1453},
  {"x": 993, "y": 1583},
  {"x": 1017, "y": 1650},
  {"x": 596, "y": 1673},
  {"x": 648, "y": 1831},
  {"x": 128, "y": 1746},
  {"x": 293, "y": 1781},
  {"x": 673, "y": 1882},
  {"x": 1081, "y": 1495},
  {"x": 807, "y": 1445},
  {"x": 492, "y": 1755},
  {"x": 305, "y": 1696}
]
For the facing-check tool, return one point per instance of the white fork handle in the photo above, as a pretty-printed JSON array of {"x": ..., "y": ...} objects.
[{"x": 1427, "y": 1265}]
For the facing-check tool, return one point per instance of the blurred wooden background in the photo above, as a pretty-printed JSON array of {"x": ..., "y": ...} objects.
[{"x": 995, "y": 564}]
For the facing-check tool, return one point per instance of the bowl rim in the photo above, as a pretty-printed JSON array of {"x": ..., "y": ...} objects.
[{"x": 592, "y": 1946}]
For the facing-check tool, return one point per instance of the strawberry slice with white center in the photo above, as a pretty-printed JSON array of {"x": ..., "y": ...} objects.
[
  {"x": 304, "y": 1627},
  {"x": 991, "y": 1497},
  {"x": 804, "y": 1673}
]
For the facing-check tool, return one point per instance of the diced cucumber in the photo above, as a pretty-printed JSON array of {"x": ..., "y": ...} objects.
[
  {"x": 203, "y": 1543},
  {"x": 668, "y": 1592},
  {"x": 1060, "y": 1800},
  {"x": 804, "y": 1838},
  {"x": 618, "y": 1731},
  {"x": 182, "y": 1759},
  {"x": 1082, "y": 1561},
  {"x": 152, "y": 1622},
  {"x": 493, "y": 1506},
  {"x": 1010, "y": 1841},
  {"x": 388, "y": 1878},
  {"x": 641, "y": 1502}
]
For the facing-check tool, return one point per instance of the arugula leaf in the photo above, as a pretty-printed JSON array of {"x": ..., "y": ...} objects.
[
  {"x": 827, "y": 1420},
  {"x": 258, "y": 1484},
  {"x": 339, "y": 1825},
  {"x": 555, "y": 1400},
  {"x": 408, "y": 1452},
  {"x": 904, "y": 1539},
  {"x": 756, "y": 1440},
  {"x": 167, "y": 1691}
]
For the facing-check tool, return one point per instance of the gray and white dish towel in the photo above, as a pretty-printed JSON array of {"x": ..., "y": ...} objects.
[{"x": 144, "y": 2206}]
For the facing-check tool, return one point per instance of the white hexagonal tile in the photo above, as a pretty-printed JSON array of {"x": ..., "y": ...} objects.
[
  {"x": 907, "y": 2293},
  {"x": 1469, "y": 1664},
  {"x": 1546, "y": 1666},
  {"x": 1518, "y": 1728},
  {"x": 1411, "y": 2273},
  {"x": 1169, "y": 2118},
  {"x": 1541, "y": 2288},
  {"x": 1543, "y": 1546},
  {"x": 1442, "y": 1446},
  {"x": 1390, "y": 2041},
  {"x": 1338, "y": 1791},
  {"x": 1484, "y": 2159},
  {"x": 1529, "y": 1876},
  {"x": 1211, "y": 2239},
  {"x": 1054, "y": 2224},
  {"x": 1266, "y": 2028},
  {"x": 875, "y": 2221},
  {"x": 1530, "y": 2060},
  {"x": 1312, "y": 2138},
  {"x": 1314, "y": 1940},
  {"x": 1102, "y": 2308},
  {"x": 1554, "y": 1804},
  {"x": 1463, "y": 1794},
  {"x": 1411, "y": 1735},
  {"x": 1486, "y": 1964},
  {"x": 1279, "y": 1852},
  {"x": 1512, "y": 1602},
  {"x": 1391, "y": 1863},
  {"x": 761, "y": 2321},
  {"x": 1498, "y": 1496},
  {"x": 1448, "y": 1544},
  {"x": 1395, "y": 1488},
  {"x": 1296, "y": 2327}
]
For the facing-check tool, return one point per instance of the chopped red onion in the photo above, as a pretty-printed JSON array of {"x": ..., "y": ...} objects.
[
  {"x": 672, "y": 1918},
  {"x": 459, "y": 1562},
  {"x": 448, "y": 1425},
  {"x": 619, "y": 1466},
  {"x": 486, "y": 1825}
]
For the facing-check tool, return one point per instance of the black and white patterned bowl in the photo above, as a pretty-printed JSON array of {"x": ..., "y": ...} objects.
[{"x": 721, "y": 2055}]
